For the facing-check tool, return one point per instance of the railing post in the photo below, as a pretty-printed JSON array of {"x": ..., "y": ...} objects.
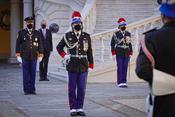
[
  {"x": 94, "y": 48},
  {"x": 101, "y": 49},
  {"x": 136, "y": 41},
  {"x": 110, "y": 37}
]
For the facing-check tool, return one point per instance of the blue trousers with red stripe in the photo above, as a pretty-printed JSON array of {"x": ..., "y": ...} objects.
[
  {"x": 122, "y": 66},
  {"x": 76, "y": 89},
  {"x": 29, "y": 74}
]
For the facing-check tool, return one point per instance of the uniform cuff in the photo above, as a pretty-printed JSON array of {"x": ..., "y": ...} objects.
[
  {"x": 91, "y": 66},
  {"x": 113, "y": 53},
  {"x": 62, "y": 54},
  {"x": 131, "y": 53}
]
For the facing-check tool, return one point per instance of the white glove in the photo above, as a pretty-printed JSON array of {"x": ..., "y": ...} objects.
[
  {"x": 114, "y": 58},
  {"x": 40, "y": 59},
  {"x": 67, "y": 57},
  {"x": 19, "y": 59},
  {"x": 90, "y": 69}
]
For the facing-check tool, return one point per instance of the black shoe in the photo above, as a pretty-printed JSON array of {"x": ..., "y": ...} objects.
[
  {"x": 73, "y": 114},
  {"x": 26, "y": 93},
  {"x": 33, "y": 93},
  {"x": 41, "y": 79},
  {"x": 81, "y": 113},
  {"x": 46, "y": 79}
]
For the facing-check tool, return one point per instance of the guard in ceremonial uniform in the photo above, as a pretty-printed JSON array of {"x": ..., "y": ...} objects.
[
  {"x": 28, "y": 50},
  {"x": 158, "y": 51},
  {"x": 121, "y": 49},
  {"x": 79, "y": 61}
]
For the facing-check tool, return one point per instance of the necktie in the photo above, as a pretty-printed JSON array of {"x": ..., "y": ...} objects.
[{"x": 77, "y": 34}]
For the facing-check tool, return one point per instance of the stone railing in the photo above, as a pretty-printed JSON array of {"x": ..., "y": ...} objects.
[
  {"x": 89, "y": 16},
  {"x": 101, "y": 41}
]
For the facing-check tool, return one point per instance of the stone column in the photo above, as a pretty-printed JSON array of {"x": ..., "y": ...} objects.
[
  {"x": 14, "y": 28},
  {"x": 28, "y": 9},
  {"x": 37, "y": 15}
]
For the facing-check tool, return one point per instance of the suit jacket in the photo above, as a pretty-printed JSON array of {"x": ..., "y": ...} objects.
[
  {"x": 83, "y": 47},
  {"x": 118, "y": 43},
  {"x": 160, "y": 43},
  {"x": 47, "y": 40},
  {"x": 29, "y": 45}
]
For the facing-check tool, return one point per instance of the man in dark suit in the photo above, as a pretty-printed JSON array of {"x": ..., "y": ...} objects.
[
  {"x": 28, "y": 49},
  {"x": 46, "y": 37}
]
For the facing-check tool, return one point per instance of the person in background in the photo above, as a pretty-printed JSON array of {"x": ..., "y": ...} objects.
[
  {"x": 121, "y": 49},
  {"x": 28, "y": 49},
  {"x": 46, "y": 37},
  {"x": 158, "y": 52}
]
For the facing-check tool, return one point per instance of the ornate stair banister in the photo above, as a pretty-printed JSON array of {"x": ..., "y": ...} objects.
[{"x": 136, "y": 29}]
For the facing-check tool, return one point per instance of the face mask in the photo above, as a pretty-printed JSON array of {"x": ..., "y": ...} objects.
[
  {"x": 77, "y": 27},
  {"x": 29, "y": 26},
  {"x": 43, "y": 26},
  {"x": 123, "y": 28}
]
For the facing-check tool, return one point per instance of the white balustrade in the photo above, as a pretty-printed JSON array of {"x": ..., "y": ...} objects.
[{"x": 136, "y": 29}]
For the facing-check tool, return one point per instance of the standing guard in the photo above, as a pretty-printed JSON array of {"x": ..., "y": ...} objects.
[
  {"x": 121, "y": 49},
  {"x": 79, "y": 61},
  {"x": 28, "y": 50},
  {"x": 157, "y": 53}
]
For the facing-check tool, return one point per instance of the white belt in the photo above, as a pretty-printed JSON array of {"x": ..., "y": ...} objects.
[
  {"x": 122, "y": 46},
  {"x": 78, "y": 56}
]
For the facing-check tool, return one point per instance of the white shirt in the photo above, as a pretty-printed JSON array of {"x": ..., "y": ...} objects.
[
  {"x": 44, "y": 32},
  {"x": 78, "y": 35}
]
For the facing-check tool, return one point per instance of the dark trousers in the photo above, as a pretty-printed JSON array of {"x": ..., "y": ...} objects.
[
  {"x": 29, "y": 74},
  {"x": 122, "y": 66},
  {"x": 76, "y": 89},
  {"x": 43, "y": 66}
]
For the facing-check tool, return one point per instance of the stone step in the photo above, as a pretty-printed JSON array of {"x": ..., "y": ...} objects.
[
  {"x": 112, "y": 2},
  {"x": 125, "y": 6},
  {"x": 80, "y": 2},
  {"x": 125, "y": 13},
  {"x": 62, "y": 69},
  {"x": 108, "y": 12},
  {"x": 59, "y": 76}
]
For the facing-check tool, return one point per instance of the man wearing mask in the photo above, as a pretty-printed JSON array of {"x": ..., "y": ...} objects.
[
  {"x": 46, "y": 37},
  {"x": 28, "y": 49},
  {"x": 158, "y": 52},
  {"x": 121, "y": 49},
  {"x": 79, "y": 61}
]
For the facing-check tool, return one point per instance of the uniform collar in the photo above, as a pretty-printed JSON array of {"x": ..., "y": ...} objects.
[
  {"x": 77, "y": 33},
  {"x": 29, "y": 30},
  {"x": 171, "y": 23}
]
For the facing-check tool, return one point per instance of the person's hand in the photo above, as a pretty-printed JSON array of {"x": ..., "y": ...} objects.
[
  {"x": 67, "y": 57},
  {"x": 90, "y": 69},
  {"x": 19, "y": 59},
  {"x": 40, "y": 59}
]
